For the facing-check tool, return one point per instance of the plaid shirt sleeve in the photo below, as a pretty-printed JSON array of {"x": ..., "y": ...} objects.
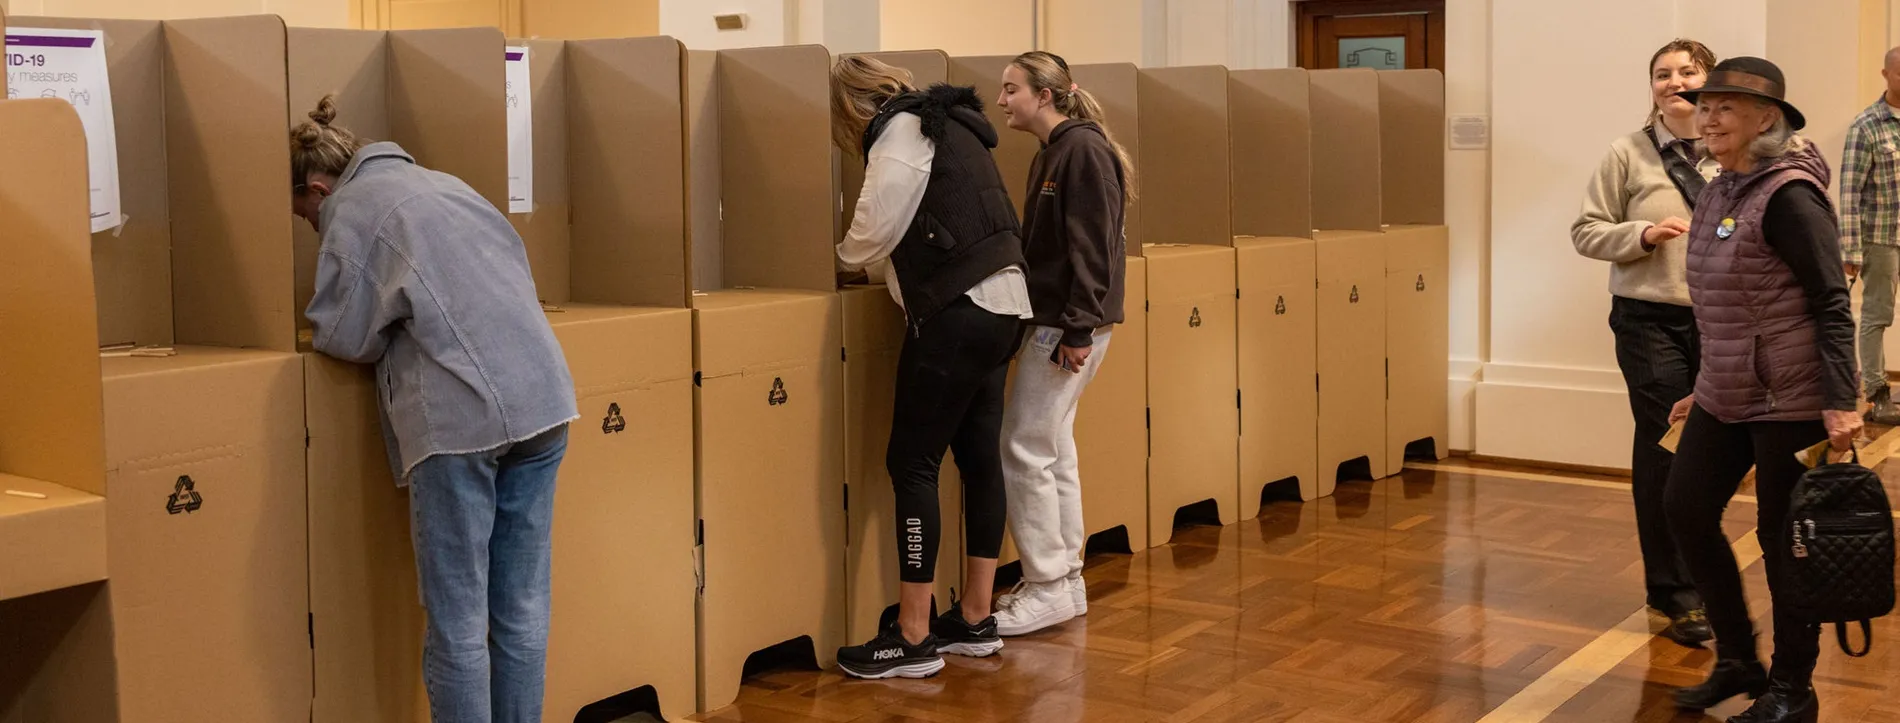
[{"x": 1856, "y": 161}]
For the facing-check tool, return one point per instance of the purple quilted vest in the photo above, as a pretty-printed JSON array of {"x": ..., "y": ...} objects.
[{"x": 1759, "y": 358}]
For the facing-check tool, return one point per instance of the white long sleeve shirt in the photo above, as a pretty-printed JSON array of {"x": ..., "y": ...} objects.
[{"x": 894, "y": 183}]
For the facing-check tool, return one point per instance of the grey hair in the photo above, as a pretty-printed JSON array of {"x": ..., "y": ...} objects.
[{"x": 1779, "y": 140}]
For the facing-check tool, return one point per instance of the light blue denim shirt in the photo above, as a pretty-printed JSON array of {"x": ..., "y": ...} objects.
[{"x": 421, "y": 276}]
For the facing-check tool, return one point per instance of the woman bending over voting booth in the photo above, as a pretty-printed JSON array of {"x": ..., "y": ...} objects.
[{"x": 422, "y": 277}]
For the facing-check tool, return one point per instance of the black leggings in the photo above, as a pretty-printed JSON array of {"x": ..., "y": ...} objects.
[
  {"x": 950, "y": 380},
  {"x": 1710, "y": 463}
]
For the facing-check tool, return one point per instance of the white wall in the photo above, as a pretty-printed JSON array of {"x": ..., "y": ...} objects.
[
  {"x": 963, "y": 27},
  {"x": 768, "y": 22}
]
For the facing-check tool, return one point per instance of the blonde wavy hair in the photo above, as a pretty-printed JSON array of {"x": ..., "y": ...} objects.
[{"x": 860, "y": 87}]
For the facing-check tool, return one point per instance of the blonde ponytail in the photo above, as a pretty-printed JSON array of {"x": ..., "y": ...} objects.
[
  {"x": 1048, "y": 71},
  {"x": 316, "y": 147}
]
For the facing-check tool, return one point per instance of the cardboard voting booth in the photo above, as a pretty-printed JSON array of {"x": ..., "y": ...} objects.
[
  {"x": 1351, "y": 255},
  {"x": 55, "y": 622},
  {"x": 1186, "y": 226},
  {"x": 767, "y": 349},
  {"x": 606, "y": 238},
  {"x": 204, "y": 505},
  {"x": 439, "y": 95},
  {"x": 1277, "y": 265},
  {"x": 1418, "y": 320}
]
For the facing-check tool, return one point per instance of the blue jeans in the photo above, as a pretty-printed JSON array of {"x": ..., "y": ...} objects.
[{"x": 481, "y": 524}]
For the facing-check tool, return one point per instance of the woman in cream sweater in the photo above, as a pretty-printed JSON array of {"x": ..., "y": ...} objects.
[{"x": 1635, "y": 216}]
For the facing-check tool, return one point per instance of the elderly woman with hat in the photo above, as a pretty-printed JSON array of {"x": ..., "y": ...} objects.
[{"x": 1777, "y": 372}]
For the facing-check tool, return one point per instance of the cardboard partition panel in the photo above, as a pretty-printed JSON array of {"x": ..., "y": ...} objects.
[
  {"x": 1412, "y": 144},
  {"x": 1193, "y": 396},
  {"x": 226, "y": 593},
  {"x": 779, "y": 214},
  {"x": 1184, "y": 185},
  {"x": 1278, "y": 356},
  {"x": 354, "y": 66},
  {"x": 626, "y": 128},
  {"x": 49, "y": 368},
  {"x": 1346, "y": 135},
  {"x": 366, "y": 618},
  {"x": 1015, "y": 150},
  {"x": 873, "y": 338},
  {"x": 624, "y": 583},
  {"x": 1418, "y": 351},
  {"x": 1352, "y": 374},
  {"x": 1117, "y": 87},
  {"x": 50, "y": 435},
  {"x": 705, "y": 230},
  {"x": 226, "y": 95},
  {"x": 1111, "y": 423},
  {"x": 448, "y": 107},
  {"x": 132, "y": 264},
  {"x": 1269, "y": 117},
  {"x": 770, "y": 479},
  {"x": 926, "y": 68}
]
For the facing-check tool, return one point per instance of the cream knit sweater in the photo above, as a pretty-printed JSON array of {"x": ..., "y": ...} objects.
[{"x": 1630, "y": 193}]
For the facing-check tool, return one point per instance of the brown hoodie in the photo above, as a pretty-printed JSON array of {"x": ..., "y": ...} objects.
[{"x": 1072, "y": 233}]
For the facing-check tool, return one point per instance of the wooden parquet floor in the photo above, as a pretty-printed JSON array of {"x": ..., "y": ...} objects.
[{"x": 1434, "y": 597}]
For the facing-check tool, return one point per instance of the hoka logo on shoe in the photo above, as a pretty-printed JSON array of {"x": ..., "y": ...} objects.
[{"x": 888, "y": 654}]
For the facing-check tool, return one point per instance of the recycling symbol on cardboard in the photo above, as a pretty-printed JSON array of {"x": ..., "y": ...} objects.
[
  {"x": 184, "y": 497},
  {"x": 1421, "y": 283},
  {"x": 1194, "y": 318},
  {"x": 1355, "y": 294},
  {"x": 614, "y": 423},
  {"x": 777, "y": 396},
  {"x": 1279, "y": 307}
]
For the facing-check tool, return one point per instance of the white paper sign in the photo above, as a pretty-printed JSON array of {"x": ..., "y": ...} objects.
[
  {"x": 71, "y": 65},
  {"x": 520, "y": 133},
  {"x": 1469, "y": 132}
]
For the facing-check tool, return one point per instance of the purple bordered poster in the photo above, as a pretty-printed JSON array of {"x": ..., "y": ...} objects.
[
  {"x": 520, "y": 133},
  {"x": 71, "y": 65}
]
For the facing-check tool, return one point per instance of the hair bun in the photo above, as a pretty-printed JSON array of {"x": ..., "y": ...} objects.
[{"x": 325, "y": 112}]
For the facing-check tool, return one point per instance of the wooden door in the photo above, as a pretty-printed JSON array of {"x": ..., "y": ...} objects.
[{"x": 1376, "y": 34}]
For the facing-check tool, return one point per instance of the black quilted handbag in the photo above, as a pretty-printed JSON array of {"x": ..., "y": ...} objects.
[{"x": 1840, "y": 550}]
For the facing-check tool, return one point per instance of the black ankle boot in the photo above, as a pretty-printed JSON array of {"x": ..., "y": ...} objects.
[
  {"x": 1784, "y": 703},
  {"x": 1731, "y": 677}
]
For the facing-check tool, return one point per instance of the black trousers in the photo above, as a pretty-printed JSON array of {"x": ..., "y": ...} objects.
[
  {"x": 1710, "y": 464},
  {"x": 1659, "y": 350},
  {"x": 950, "y": 381}
]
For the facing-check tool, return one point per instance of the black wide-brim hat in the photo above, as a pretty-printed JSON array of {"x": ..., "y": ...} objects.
[{"x": 1750, "y": 76}]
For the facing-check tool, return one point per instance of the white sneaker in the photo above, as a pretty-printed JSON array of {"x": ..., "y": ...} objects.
[
  {"x": 1079, "y": 591},
  {"x": 1033, "y": 606}
]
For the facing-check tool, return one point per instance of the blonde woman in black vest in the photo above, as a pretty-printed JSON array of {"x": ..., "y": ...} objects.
[
  {"x": 1635, "y": 213},
  {"x": 935, "y": 218}
]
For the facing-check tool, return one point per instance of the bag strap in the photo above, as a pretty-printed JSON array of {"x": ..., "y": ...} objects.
[
  {"x": 1689, "y": 181},
  {"x": 1866, "y": 634}
]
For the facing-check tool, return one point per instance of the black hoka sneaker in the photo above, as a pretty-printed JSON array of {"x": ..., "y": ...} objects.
[
  {"x": 889, "y": 656},
  {"x": 956, "y": 636}
]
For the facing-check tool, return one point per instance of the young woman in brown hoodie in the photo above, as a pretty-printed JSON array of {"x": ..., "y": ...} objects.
[{"x": 1073, "y": 243}]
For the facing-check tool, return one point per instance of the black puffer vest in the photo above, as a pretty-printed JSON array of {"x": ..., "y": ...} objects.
[{"x": 966, "y": 228}]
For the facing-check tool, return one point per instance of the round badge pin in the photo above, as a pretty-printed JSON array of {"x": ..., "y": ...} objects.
[{"x": 1725, "y": 230}]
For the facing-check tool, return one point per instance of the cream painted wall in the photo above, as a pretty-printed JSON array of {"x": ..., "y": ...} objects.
[
  {"x": 307, "y": 13},
  {"x": 1102, "y": 31},
  {"x": 590, "y": 18},
  {"x": 768, "y": 22},
  {"x": 964, "y": 27}
]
